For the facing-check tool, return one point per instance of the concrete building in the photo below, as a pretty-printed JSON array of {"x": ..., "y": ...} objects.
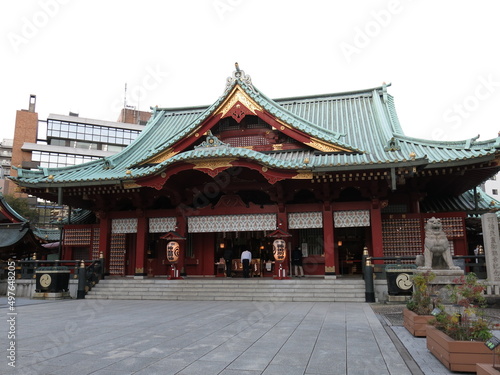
[
  {"x": 5, "y": 162},
  {"x": 63, "y": 140},
  {"x": 492, "y": 186}
]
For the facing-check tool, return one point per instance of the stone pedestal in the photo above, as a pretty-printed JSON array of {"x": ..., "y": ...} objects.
[
  {"x": 439, "y": 285},
  {"x": 50, "y": 296}
]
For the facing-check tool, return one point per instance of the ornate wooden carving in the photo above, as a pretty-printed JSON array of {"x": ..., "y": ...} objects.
[
  {"x": 230, "y": 201},
  {"x": 238, "y": 97}
]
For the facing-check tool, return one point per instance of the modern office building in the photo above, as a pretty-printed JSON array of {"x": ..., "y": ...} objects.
[
  {"x": 492, "y": 186},
  {"x": 64, "y": 140}
]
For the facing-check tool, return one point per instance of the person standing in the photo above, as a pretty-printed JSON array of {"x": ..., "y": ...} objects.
[
  {"x": 228, "y": 259},
  {"x": 246, "y": 258},
  {"x": 297, "y": 262},
  {"x": 476, "y": 253}
]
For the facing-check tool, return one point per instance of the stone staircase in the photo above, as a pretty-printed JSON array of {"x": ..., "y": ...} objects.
[{"x": 234, "y": 289}]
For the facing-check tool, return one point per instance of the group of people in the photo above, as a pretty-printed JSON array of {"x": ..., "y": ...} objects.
[{"x": 246, "y": 260}]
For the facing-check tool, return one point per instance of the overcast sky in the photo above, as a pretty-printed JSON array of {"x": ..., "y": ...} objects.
[{"x": 441, "y": 57}]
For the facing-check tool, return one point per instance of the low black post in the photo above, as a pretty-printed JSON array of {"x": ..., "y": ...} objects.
[
  {"x": 369, "y": 288},
  {"x": 35, "y": 266},
  {"x": 80, "y": 294}
]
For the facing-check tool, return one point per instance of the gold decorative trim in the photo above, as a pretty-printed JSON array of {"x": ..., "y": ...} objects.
[
  {"x": 238, "y": 95},
  {"x": 139, "y": 270},
  {"x": 330, "y": 269},
  {"x": 316, "y": 143},
  {"x": 278, "y": 146},
  {"x": 212, "y": 163},
  {"x": 130, "y": 185},
  {"x": 161, "y": 157},
  {"x": 325, "y": 147},
  {"x": 264, "y": 169},
  {"x": 303, "y": 176}
]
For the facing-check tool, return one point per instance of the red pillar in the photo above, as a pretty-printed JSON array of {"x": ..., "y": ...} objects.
[
  {"x": 181, "y": 228},
  {"x": 105, "y": 238},
  {"x": 376, "y": 226},
  {"x": 329, "y": 240},
  {"x": 141, "y": 245}
]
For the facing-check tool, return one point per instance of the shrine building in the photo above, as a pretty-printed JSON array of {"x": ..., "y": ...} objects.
[{"x": 333, "y": 173}]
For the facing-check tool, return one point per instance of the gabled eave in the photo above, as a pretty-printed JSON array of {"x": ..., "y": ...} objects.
[{"x": 240, "y": 93}]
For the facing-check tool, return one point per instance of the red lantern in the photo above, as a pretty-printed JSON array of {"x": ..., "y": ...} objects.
[
  {"x": 173, "y": 251},
  {"x": 279, "y": 250}
]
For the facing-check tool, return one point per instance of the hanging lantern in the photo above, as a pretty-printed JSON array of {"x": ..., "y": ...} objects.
[
  {"x": 279, "y": 250},
  {"x": 173, "y": 251}
]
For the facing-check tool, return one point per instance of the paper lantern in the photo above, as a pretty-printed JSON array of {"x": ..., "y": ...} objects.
[
  {"x": 279, "y": 250},
  {"x": 173, "y": 251}
]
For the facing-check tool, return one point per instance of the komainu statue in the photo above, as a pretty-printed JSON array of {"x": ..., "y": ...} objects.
[{"x": 437, "y": 254}]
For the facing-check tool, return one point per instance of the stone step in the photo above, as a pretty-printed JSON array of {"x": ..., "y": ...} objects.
[{"x": 222, "y": 289}]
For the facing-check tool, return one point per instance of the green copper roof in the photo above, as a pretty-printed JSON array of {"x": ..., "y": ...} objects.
[
  {"x": 364, "y": 122},
  {"x": 474, "y": 202},
  {"x": 7, "y": 211}
]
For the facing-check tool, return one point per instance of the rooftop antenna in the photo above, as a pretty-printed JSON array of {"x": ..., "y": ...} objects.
[
  {"x": 138, "y": 100},
  {"x": 125, "y": 97}
]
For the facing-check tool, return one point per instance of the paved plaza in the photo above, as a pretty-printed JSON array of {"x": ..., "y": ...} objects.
[{"x": 190, "y": 338}]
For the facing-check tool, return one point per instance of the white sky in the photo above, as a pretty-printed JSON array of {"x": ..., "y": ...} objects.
[{"x": 442, "y": 57}]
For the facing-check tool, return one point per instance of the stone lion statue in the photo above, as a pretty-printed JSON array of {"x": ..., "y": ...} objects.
[{"x": 437, "y": 254}]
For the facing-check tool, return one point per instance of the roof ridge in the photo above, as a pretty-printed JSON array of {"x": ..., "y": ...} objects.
[
  {"x": 368, "y": 92},
  {"x": 332, "y": 137},
  {"x": 470, "y": 142}
]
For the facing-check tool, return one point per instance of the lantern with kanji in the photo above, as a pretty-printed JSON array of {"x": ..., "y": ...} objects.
[
  {"x": 173, "y": 251},
  {"x": 279, "y": 250}
]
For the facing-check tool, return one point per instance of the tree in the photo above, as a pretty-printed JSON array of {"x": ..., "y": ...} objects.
[{"x": 20, "y": 205}]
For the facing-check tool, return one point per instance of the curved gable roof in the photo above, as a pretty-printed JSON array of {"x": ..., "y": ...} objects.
[
  {"x": 7, "y": 213},
  {"x": 362, "y": 123}
]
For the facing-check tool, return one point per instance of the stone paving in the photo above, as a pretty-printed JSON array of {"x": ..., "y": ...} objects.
[
  {"x": 225, "y": 338},
  {"x": 391, "y": 317},
  {"x": 186, "y": 337}
]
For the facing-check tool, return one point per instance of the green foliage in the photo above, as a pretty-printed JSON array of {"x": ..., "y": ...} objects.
[
  {"x": 463, "y": 327},
  {"x": 20, "y": 205},
  {"x": 421, "y": 302},
  {"x": 468, "y": 292},
  {"x": 469, "y": 322}
]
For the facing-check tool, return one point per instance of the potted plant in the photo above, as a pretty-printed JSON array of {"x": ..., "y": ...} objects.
[
  {"x": 418, "y": 309},
  {"x": 457, "y": 335}
]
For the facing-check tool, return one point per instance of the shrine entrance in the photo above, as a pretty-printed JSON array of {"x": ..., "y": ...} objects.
[
  {"x": 350, "y": 243},
  {"x": 256, "y": 242}
]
